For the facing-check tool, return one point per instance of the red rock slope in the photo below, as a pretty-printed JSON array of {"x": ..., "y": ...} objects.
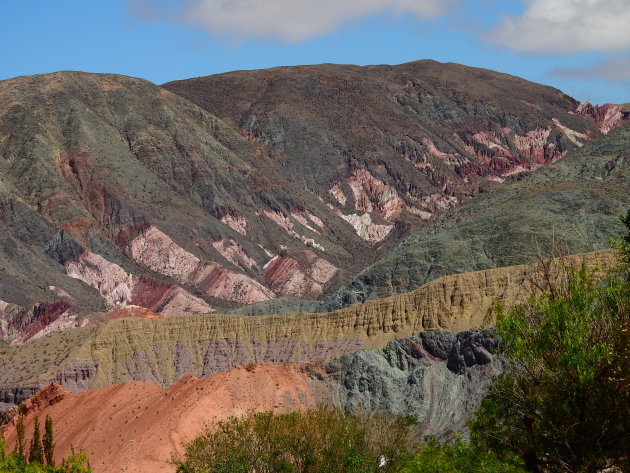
[{"x": 136, "y": 426}]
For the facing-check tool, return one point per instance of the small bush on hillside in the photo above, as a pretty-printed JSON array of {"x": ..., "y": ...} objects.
[{"x": 322, "y": 440}]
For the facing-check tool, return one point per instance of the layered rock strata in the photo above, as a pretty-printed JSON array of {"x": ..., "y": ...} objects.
[
  {"x": 437, "y": 377},
  {"x": 163, "y": 350}
]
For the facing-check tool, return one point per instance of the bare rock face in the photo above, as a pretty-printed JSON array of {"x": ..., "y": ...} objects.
[
  {"x": 20, "y": 324},
  {"x": 120, "y": 289},
  {"x": 303, "y": 276},
  {"x": 608, "y": 116},
  {"x": 140, "y": 425},
  {"x": 12, "y": 396},
  {"x": 437, "y": 377},
  {"x": 161, "y": 350}
]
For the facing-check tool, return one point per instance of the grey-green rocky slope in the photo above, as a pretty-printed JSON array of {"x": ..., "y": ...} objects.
[
  {"x": 115, "y": 192},
  {"x": 437, "y": 377},
  {"x": 569, "y": 207}
]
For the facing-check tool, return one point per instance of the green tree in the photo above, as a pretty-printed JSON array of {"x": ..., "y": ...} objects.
[
  {"x": 16, "y": 463},
  {"x": 78, "y": 462},
  {"x": 461, "y": 457},
  {"x": 48, "y": 442},
  {"x": 322, "y": 440},
  {"x": 19, "y": 430},
  {"x": 563, "y": 402},
  {"x": 35, "y": 454},
  {"x": 623, "y": 243}
]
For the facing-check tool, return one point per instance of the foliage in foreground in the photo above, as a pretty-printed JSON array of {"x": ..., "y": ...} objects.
[
  {"x": 322, "y": 440},
  {"x": 461, "y": 457},
  {"x": 561, "y": 406},
  {"x": 39, "y": 458},
  {"x": 16, "y": 463},
  {"x": 563, "y": 403}
]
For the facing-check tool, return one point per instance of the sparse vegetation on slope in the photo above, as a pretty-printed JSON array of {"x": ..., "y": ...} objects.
[{"x": 40, "y": 457}]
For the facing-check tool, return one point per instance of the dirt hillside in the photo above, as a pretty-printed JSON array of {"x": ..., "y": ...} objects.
[{"x": 136, "y": 426}]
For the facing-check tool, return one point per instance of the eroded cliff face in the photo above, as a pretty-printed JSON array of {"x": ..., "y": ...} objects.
[
  {"x": 608, "y": 116},
  {"x": 119, "y": 288},
  {"x": 163, "y": 350},
  {"x": 303, "y": 276},
  {"x": 437, "y": 377},
  {"x": 21, "y": 324}
]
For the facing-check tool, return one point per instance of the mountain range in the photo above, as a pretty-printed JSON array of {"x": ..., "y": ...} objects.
[
  {"x": 291, "y": 236},
  {"x": 293, "y": 188}
]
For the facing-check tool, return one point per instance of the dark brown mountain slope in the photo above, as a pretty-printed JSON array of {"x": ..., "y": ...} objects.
[
  {"x": 377, "y": 140},
  {"x": 433, "y": 135}
]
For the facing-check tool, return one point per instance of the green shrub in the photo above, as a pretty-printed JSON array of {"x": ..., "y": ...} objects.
[
  {"x": 461, "y": 457},
  {"x": 16, "y": 463},
  {"x": 322, "y": 440},
  {"x": 563, "y": 402}
]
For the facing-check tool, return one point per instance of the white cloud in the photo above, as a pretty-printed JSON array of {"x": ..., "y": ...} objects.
[
  {"x": 612, "y": 69},
  {"x": 297, "y": 20},
  {"x": 143, "y": 9},
  {"x": 566, "y": 26}
]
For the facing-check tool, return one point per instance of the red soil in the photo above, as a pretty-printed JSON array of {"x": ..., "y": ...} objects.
[{"x": 137, "y": 426}]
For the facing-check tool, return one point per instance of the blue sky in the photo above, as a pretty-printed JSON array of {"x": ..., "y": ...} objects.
[{"x": 579, "y": 46}]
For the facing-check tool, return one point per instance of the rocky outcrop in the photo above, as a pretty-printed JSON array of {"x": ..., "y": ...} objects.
[
  {"x": 119, "y": 288},
  {"x": 372, "y": 195},
  {"x": 21, "y": 324},
  {"x": 608, "y": 116},
  {"x": 157, "y": 251},
  {"x": 367, "y": 229},
  {"x": 164, "y": 349},
  {"x": 145, "y": 424},
  {"x": 15, "y": 395},
  {"x": 235, "y": 254},
  {"x": 437, "y": 377},
  {"x": 286, "y": 223},
  {"x": 303, "y": 276}
]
